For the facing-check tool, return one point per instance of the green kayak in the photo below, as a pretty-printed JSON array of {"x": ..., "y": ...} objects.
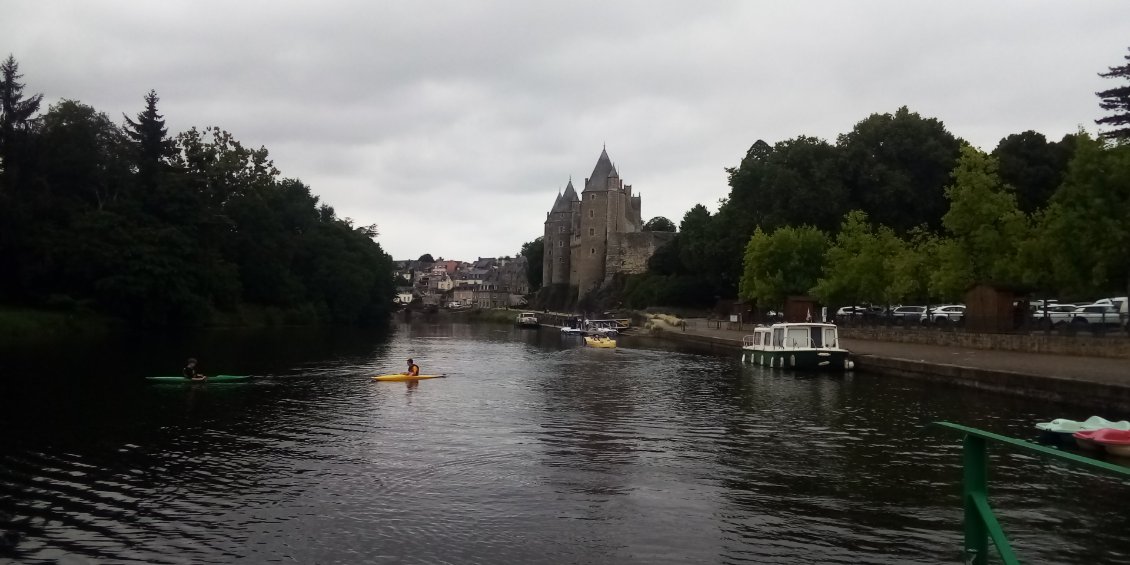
[{"x": 211, "y": 379}]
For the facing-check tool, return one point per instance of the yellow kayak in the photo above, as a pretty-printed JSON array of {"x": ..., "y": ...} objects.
[
  {"x": 403, "y": 377},
  {"x": 601, "y": 342}
]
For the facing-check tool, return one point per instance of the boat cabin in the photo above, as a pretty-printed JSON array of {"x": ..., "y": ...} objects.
[{"x": 796, "y": 345}]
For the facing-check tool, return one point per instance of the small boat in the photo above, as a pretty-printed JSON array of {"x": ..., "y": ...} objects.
[
  {"x": 527, "y": 320},
  {"x": 572, "y": 331},
  {"x": 397, "y": 377},
  {"x": 1116, "y": 442},
  {"x": 1061, "y": 431},
  {"x": 804, "y": 345},
  {"x": 599, "y": 341},
  {"x": 211, "y": 379}
]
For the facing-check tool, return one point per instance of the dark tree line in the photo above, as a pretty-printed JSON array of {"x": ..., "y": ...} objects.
[{"x": 169, "y": 230}]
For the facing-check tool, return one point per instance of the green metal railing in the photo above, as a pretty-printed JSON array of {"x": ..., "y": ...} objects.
[{"x": 981, "y": 524}]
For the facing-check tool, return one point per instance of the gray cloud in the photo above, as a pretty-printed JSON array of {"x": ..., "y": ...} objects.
[{"x": 452, "y": 125}]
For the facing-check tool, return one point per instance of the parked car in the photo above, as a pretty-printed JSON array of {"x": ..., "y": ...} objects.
[
  {"x": 907, "y": 313},
  {"x": 851, "y": 312},
  {"x": 942, "y": 315},
  {"x": 1095, "y": 315},
  {"x": 1054, "y": 315}
]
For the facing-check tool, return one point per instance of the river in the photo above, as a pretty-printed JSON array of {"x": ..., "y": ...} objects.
[{"x": 533, "y": 450}]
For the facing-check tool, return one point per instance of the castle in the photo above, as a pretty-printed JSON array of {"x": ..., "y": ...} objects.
[{"x": 592, "y": 237}]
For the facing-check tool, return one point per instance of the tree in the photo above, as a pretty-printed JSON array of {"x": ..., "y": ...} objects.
[
  {"x": 1033, "y": 166},
  {"x": 857, "y": 267},
  {"x": 152, "y": 145},
  {"x": 534, "y": 252},
  {"x": 659, "y": 223},
  {"x": 1084, "y": 235},
  {"x": 15, "y": 114},
  {"x": 896, "y": 167},
  {"x": 1117, "y": 100},
  {"x": 780, "y": 264},
  {"x": 796, "y": 182},
  {"x": 83, "y": 155},
  {"x": 985, "y": 223}
]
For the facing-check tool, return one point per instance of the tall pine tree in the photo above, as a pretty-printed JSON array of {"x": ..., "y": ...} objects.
[
  {"x": 1118, "y": 100},
  {"x": 15, "y": 113},
  {"x": 152, "y": 146}
]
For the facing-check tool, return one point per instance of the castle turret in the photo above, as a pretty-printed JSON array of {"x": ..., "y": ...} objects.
[{"x": 556, "y": 264}]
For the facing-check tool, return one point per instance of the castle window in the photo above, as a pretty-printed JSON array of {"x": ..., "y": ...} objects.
[
  {"x": 623, "y": 263},
  {"x": 592, "y": 231},
  {"x": 560, "y": 243},
  {"x": 561, "y": 260},
  {"x": 592, "y": 251},
  {"x": 560, "y": 229}
]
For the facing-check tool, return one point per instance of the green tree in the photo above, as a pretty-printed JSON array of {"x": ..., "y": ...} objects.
[
  {"x": 152, "y": 145},
  {"x": 1033, "y": 166},
  {"x": 1117, "y": 100},
  {"x": 986, "y": 226},
  {"x": 426, "y": 258},
  {"x": 16, "y": 111},
  {"x": 780, "y": 264},
  {"x": 1084, "y": 236},
  {"x": 911, "y": 267},
  {"x": 797, "y": 182},
  {"x": 659, "y": 223},
  {"x": 858, "y": 265},
  {"x": 896, "y": 167},
  {"x": 534, "y": 252}
]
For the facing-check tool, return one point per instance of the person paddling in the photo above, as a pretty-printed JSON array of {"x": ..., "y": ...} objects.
[
  {"x": 189, "y": 371},
  {"x": 413, "y": 369}
]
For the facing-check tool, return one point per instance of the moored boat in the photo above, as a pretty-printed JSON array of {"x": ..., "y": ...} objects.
[
  {"x": 1061, "y": 431},
  {"x": 527, "y": 320},
  {"x": 790, "y": 345},
  {"x": 599, "y": 341},
  {"x": 1116, "y": 442}
]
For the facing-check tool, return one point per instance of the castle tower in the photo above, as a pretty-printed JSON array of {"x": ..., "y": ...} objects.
[
  {"x": 598, "y": 206},
  {"x": 556, "y": 261}
]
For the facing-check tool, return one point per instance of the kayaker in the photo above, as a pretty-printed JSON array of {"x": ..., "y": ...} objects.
[
  {"x": 413, "y": 369},
  {"x": 189, "y": 371}
]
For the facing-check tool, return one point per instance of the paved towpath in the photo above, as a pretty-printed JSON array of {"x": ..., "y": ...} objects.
[{"x": 1084, "y": 369}]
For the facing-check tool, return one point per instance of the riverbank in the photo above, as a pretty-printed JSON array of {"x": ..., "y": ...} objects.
[
  {"x": 24, "y": 325},
  {"x": 1099, "y": 383}
]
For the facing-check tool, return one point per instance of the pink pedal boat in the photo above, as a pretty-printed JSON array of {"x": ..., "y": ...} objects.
[{"x": 1116, "y": 442}]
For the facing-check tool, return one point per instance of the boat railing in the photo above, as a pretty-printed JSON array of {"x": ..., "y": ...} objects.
[
  {"x": 747, "y": 341},
  {"x": 980, "y": 522}
]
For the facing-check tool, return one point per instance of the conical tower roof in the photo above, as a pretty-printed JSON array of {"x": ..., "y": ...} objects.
[
  {"x": 564, "y": 200},
  {"x": 600, "y": 173}
]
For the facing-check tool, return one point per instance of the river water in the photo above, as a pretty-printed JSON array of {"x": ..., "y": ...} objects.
[{"x": 534, "y": 450}]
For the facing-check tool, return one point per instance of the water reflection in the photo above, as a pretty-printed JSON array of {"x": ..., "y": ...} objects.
[{"x": 534, "y": 450}]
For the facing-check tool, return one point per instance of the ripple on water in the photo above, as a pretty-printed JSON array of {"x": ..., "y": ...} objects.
[{"x": 533, "y": 451}]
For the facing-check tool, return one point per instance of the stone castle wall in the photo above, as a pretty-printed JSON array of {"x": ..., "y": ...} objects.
[{"x": 629, "y": 252}]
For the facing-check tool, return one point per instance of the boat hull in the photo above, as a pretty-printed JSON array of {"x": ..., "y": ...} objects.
[
  {"x": 600, "y": 343},
  {"x": 800, "y": 359}
]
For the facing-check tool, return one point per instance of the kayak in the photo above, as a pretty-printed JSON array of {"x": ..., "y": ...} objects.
[
  {"x": 211, "y": 379},
  {"x": 402, "y": 377}
]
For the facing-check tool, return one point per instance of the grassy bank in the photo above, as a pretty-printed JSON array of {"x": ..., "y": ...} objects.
[
  {"x": 23, "y": 325},
  {"x": 488, "y": 315}
]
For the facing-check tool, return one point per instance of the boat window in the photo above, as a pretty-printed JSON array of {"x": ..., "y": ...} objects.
[
  {"x": 757, "y": 338},
  {"x": 778, "y": 337},
  {"x": 830, "y": 337},
  {"x": 817, "y": 337},
  {"x": 798, "y": 337}
]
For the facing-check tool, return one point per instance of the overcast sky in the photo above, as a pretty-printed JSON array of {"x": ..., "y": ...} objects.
[{"x": 452, "y": 125}]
